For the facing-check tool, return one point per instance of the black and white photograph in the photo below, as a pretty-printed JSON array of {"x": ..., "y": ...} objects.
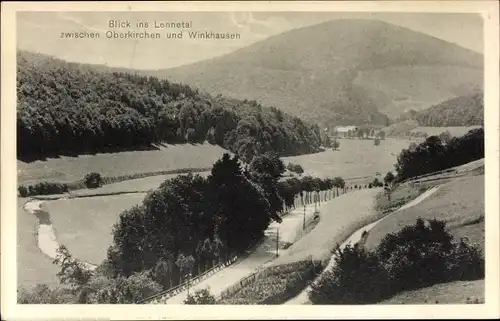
[{"x": 260, "y": 157}]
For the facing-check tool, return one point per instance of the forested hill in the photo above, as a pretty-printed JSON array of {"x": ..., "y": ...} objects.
[
  {"x": 68, "y": 108},
  {"x": 458, "y": 111}
]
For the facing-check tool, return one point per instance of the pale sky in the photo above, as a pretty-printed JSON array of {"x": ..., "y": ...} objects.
[{"x": 41, "y": 32}]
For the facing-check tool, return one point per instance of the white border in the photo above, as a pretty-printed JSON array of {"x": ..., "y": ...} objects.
[{"x": 10, "y": 310}]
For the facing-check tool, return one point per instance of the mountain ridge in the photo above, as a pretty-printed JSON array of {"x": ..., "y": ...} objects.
[{"x": 294, "y": 70}]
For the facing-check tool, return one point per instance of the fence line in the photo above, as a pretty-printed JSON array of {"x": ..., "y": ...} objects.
[{"x": 181, "y": 287}]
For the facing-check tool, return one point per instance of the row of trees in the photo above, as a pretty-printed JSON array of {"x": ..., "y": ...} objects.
[
  {"x": 439, "y": 153},
  {"x": 307, "y": 188},
  {"x": 66, "y": 108}
]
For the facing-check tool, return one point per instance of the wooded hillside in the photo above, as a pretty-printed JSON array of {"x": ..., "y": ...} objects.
[{"x": 69, "y": 108}]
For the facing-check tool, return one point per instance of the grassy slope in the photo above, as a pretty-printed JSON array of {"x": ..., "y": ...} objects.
[
  {"x": 66, "y": 169},
  {"x": 354, "y": 158},
  {"x": 457, "y": 292},
  {"x": 460, "y": 202},
  {"x": 85, "y": 225},
  {"x": 339, "y": 219}
]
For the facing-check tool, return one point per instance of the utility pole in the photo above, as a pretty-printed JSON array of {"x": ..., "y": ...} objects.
[
  {"x": 189, "y": 278},
  {"x": 304, "y": 220},
  {"x": 277, "y": 241}
]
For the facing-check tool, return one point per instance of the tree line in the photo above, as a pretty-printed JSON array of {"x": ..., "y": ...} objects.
[
  {"x": 440, "y": 153},
  {"x": 67, "y": 108}
]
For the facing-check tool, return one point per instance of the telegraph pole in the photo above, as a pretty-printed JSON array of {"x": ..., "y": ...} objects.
[
  {"x": 277, "y": 241},
  {"x": 304, "y": 220}
]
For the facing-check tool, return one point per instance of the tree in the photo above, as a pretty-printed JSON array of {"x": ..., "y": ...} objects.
[
  {"x": 389, "y": 178},
  {"x": 73, "y": 272},
  {"x": 267, "y": 164},
  {"x": 335, "y": 144},
  {"x": 185, "y": 265},
  {"x": 327, "y": 141},
  {"x": 241, "y": 210},
  {"x": 202, "y": 296},
  {"x": 93, "y": 180},
  {"x": 445, "y": 137}
]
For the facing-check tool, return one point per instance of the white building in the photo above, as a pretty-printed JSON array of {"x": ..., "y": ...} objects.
[{"x": 344, "y": 131}]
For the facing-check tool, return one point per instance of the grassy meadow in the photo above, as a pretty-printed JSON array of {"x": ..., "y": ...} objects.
[
  {"x": 167, "y": 157},
  {"x": 339, "y": 218},
  {"x": 85, "y": 225},
  {"x": 460, "y": 202},
  {"x": 354, "y": 158},
  {"x": 458, "y": 292}
]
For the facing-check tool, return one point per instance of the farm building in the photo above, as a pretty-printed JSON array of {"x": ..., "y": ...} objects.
[{"x": 344, "y": 131}]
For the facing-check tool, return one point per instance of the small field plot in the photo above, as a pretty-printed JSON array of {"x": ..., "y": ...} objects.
[
  {"x": 454, "y": 131},
  {"x": 133, "y": 185},
  {"x": 459, "y": 202},
  {"x": 169, "y": 157},
  {"x": 32, "y": 265},
  {"x": 458, "y": 292},
  {"x": 354, "y": 158},
  {"x": 84, "y": 225},
  {"x": 339, "y": 219}
]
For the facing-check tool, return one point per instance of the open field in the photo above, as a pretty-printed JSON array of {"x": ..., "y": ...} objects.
[
  {"x": 69, "y": 169},
  {"x": 339, "y": 219},
  {"x": 354, "y": 158},
  {"x": 458, "y": 292},
  {"x": 460, "y": 202},
  {"x": 85, "y": 225},
  {"x": 32, "y": 265}
]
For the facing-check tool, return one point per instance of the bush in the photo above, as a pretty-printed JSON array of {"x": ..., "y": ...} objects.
[
  {"x": 93, "y": 180},
  {"x": 417, "y": 256},
  {"x": 42, "y": 294},
  {"x": 357, "y": 277},
  {"x": 296, "y": 168},
  {"x": 200, "y": 297},
  {"x": 377, "y": 183},
  {"x": 23, "y": 191},
  {"x": 274, "y": 285},
  {"x": 43, "y": 188}
]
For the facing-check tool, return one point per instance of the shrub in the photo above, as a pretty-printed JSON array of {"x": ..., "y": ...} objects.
[
  {"x": 93, "y": 180},
  {"x": 23, "y": 191},
  {"x": 296, "y": 168},
  {"x": 42, "y": 294},
  {"x": 377, "y": 183},
  {"x": 417, "y": 256},
  {"x": 202, "y": 296},
  {"x": 274, "y": 285},
  {"x": 43, "y": 188},
  {"x": 357, "y": 277},
  {"x": 424, "y": 254}
]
